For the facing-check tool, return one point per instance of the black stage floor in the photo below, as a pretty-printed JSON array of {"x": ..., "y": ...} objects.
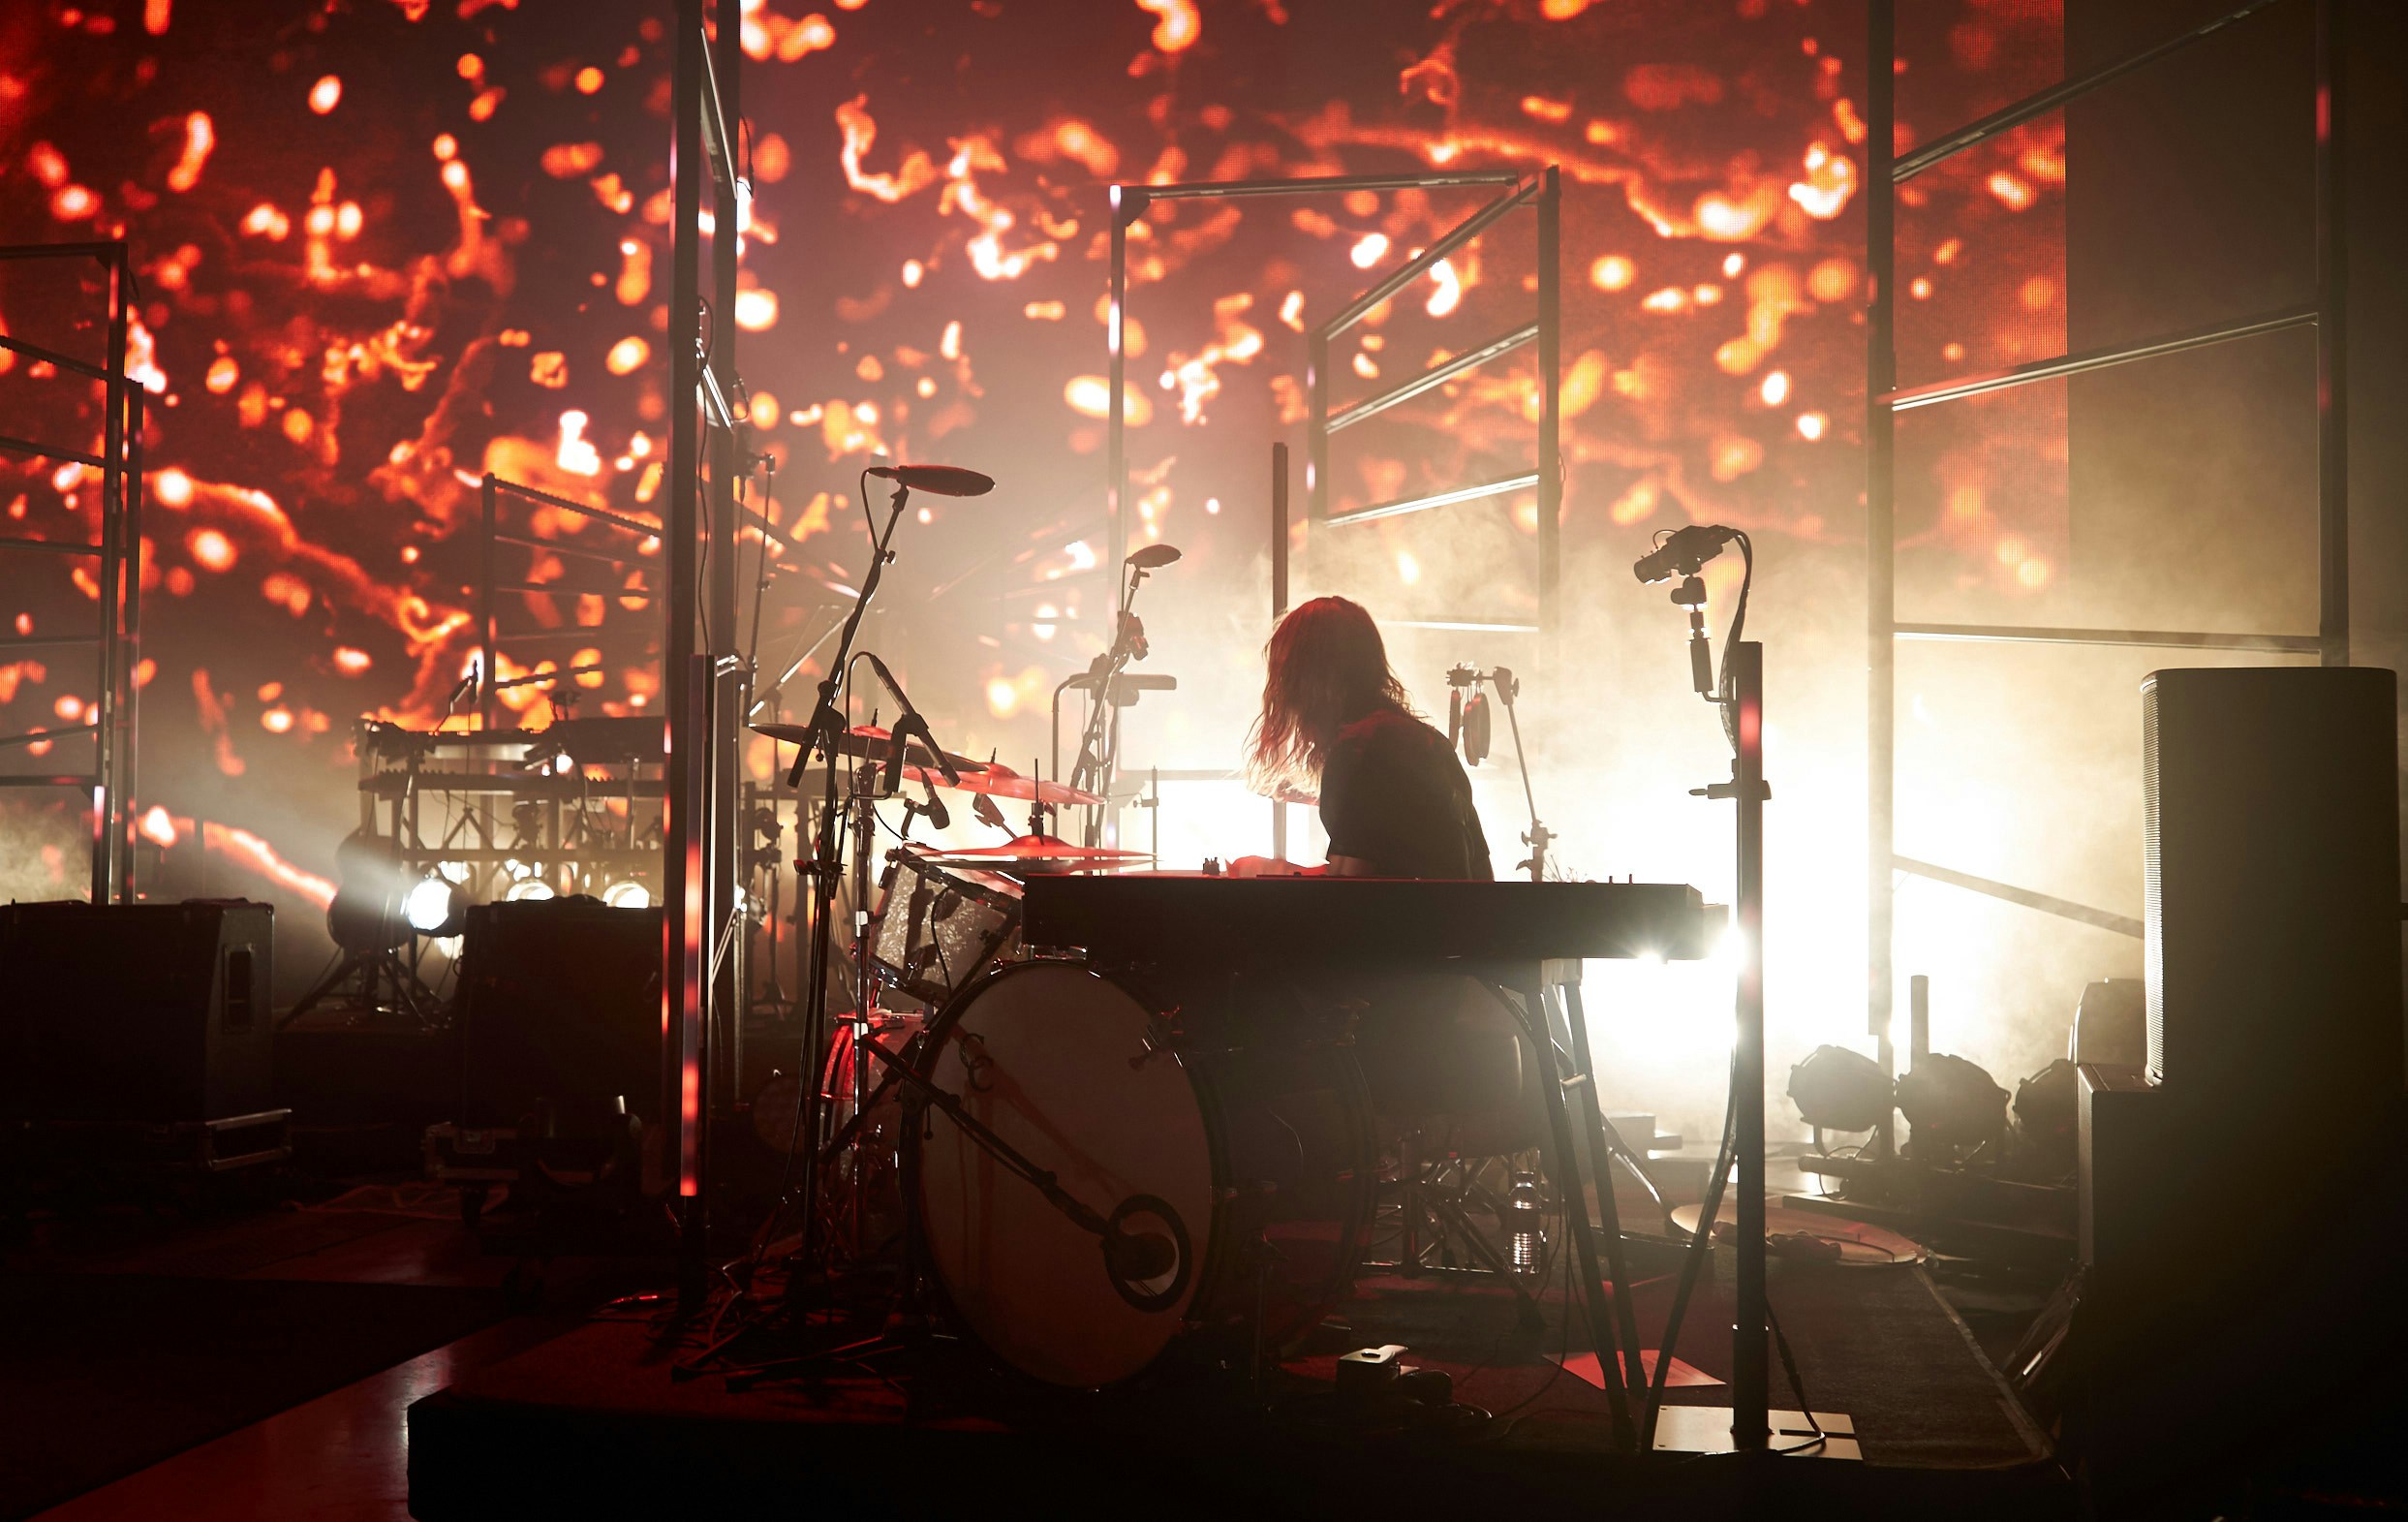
[{"x": 595, "y": 1421}]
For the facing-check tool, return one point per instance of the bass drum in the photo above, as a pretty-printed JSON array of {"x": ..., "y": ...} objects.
[{"x": 1224, "y": 1131}]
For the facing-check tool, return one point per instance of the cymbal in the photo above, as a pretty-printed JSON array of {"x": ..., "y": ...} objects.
[
  {"x": 1002, "y": 782},
  {"x": 1034, "y": 849},
  {"x": 869, "y": 742}
]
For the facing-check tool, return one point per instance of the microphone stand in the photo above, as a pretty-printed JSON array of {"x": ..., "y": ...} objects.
[
  {"x": 1099, "y": 740},
  {"x": 1739, "y": 695},
  {"x": 1508, "y": 687},
  {"x": 822, "y": 873}
]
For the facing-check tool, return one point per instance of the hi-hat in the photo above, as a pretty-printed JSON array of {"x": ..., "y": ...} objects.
[{"x": 868, "y": 742}]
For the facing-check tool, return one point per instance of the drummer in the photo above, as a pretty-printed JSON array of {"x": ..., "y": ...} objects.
[{"x": 1394, "y": 799}]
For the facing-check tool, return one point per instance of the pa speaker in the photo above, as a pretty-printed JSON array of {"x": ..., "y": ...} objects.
[
  {"x": 136, "y": 1012},
  {"x": 562, "y": 1006},
  {"x": 2271, "y": 863}
]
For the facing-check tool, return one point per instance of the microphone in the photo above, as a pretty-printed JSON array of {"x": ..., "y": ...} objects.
[
  {"x": 1151, "y": 557},
  {"x": 1683, "y": 551},
  {"x": 934, "y": 809},
  {"x": 944, "y": 481}
]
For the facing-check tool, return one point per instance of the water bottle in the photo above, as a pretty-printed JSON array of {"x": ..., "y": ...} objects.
[{"x": 1523, "y": 1207}]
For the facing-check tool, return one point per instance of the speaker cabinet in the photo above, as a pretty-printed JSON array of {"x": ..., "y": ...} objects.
[
  {"x": 562, "y": 1005},
  {"x": 142, "y": 1012},
  {"x": 2272, "y": 930}
]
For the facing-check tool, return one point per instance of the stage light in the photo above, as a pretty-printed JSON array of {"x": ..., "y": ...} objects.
[
  {"x": 2047, "y": 1115},
  {"x": 434, "y": 906},
  {"x": 365, "y": 917},
  {"x": 1836, "y": 1088},
  {"x": 627, "y": 893},
  {"x": 1952, "y": 1101},
  {"x": 526, "y": 889}
]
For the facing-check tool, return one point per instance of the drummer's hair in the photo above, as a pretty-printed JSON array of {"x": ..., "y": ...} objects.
[{"x": 1324, "y": 667}]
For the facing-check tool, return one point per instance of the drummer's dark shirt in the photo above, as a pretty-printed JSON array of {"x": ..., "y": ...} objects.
[{"x": 1394, "y": 795}]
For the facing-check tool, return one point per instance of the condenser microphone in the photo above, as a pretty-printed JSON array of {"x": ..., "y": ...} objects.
[
  {"x": 1683, "y": 551},
  {"x": 944, "y": 481},
  {"x": 1151, "y": 557}
]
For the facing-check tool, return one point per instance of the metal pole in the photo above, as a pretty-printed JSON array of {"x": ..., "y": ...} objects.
[
  {"x": 129, "y": 653},
  {"x": 1279, "y": 610},
  {"x": 2333, "y": 457},
  {"x": 683, "y": 830},
  {"x": 1880, "y": 528},
  {"x": 1918, "y": 1018},
  {"x": 485, "y": 675},
  {"x": 1550, "y": 408},
  {"x": 728, "y": 466},
  {"x": 104, "y": 801},
  {"x": 1751, "y": 1430},
  {"x": 1316, "y": 429},
  {"x": 1124, "y": 202}
]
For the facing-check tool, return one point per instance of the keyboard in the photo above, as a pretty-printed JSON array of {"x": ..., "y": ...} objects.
[{"x": 1191, "y": 918}]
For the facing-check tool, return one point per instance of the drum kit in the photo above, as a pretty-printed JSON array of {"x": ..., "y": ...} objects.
[{"x": 1091, "y": 1162}]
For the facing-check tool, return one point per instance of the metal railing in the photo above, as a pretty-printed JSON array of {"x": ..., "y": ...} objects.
[
  {"x": 1886, "y": 172},
  {"x": 113, "y": 731},
  {"x": 489, "y": 632},
  {"x": 1542, "y": 193}
]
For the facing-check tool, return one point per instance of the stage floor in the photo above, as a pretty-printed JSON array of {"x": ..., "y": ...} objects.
[{"x": 593, "y": 1419}]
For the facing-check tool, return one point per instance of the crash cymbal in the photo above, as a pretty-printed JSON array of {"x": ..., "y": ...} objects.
[
  {"x": 1002, "y": 782},
  {"x": 868, "y": 742},
  {"x": 1034, "y": 849}
]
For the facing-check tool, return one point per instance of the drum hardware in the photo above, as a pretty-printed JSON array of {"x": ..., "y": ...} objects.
[
  {"x": 1130, "y": 1257},
  {"x": 826, "y": 736}
]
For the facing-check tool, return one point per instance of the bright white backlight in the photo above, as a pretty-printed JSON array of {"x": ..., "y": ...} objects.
[
  {"x": 628, "y": 895},
  {"x": 427, "y": 905},
  {"x": 527, "y": 887}
]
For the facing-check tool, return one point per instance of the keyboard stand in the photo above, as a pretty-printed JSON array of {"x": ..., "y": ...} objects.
[{"x": 1600, "y": 1298}]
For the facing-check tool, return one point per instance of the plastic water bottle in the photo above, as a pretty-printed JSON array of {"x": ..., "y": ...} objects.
[{"x": 1523, "y": 1208}]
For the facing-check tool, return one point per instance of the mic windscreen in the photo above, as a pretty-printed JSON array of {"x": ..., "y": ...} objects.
[{"x": 944, "y": 481}]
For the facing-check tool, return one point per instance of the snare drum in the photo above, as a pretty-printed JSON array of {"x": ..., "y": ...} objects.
[
  {"x": 1222, "y": 1127},
  {"x": 939, "y": 927}
]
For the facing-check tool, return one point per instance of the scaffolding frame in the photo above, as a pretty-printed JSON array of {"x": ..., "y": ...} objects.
[
  {"x": 1885, "y": 399},
  {"x": 115, "y": 731},
  {"x": 1543, "y": 193},
  {"x": 700, "y": 980},
  {"x": 489, "y": 632}
]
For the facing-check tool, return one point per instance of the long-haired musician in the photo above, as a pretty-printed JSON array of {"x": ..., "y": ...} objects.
[{"x": 1394, "y": 799}]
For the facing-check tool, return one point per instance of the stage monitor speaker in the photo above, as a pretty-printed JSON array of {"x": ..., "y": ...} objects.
[
  {"x": 135, "y": 1012},
  {"x": 2271, "y": 874},
  {"x": 562, "y": 1005}
]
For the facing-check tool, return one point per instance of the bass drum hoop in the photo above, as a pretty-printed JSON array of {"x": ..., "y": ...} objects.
[{"x": 1223, "y": 1235}]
